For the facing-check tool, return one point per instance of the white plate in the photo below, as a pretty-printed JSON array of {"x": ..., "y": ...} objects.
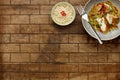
[{"x": 110, "y": 35}]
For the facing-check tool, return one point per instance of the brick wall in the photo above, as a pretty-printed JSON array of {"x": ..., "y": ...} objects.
[{"x": 32, "y": 47}]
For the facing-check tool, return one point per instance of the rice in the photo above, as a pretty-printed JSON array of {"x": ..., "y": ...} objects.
[{"x": 68, "y": 13}]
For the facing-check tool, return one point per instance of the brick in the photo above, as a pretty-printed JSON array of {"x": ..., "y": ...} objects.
[
  {"x": 40, "y": 2},
  {"x": 97, "y": 76},
  {"x": 92, "y": 40},
  {"x": 34, "y": 67},
  {"x": 39, "y": 76},
  {"x": 4, "y": 19},
  {"x": 58, "y": 38},
  {"x": 1, "y": 67},
  {"x": 109, "y": 67},
  {"x": 97, "y": 57},
  {"x": 69, "y": 68},
  {"x": 20, "y": 2},
  {"x": 29, "y": 28},
  {"x": 83, "y": 67},
  {"x": 43, "y": 75},
  {"x": 42, "y": 79},
  {"x": 9, "y": 10},
  {"x": 88, "y": 67},
  {"x": 109, "y": 48},
  {"x": 29, "y": 10},
  {"x": 49, "y": 68},
  {"x": 113, "y": 76},
  {"x": 39, "y": 19},
  {"x": 5, "y": 57},
  {"x": 78, "y": 76},
  {"x": 20, "y": 57},
  {"x": 87, "y": 47},
  {"x": 39, "y": 38},
  {"x": 35, "y": 57},
  {"x": 5, "y": 75},
  {"x": 24, "y": 67},
  {"x": 76, "y": 28},
  {"x": 4, "y": 1},
  {"x": 48, "y": 29},
  {"x": 45, "y": 9},
  {"x": 15, "y": 67},
  {"x": 56, "y": 1},
  {"x": 19, "y": 76},
  {"x": 93, "y": 67},
  {"x": 39, "y": 57},
  {"x": 73, "y": 38},
  {"x": 113, "y": 57},
  {"x": 60, "y": 58},
  {"x": 5, "y": 67},
  {"x": 58, "y": 76},
  {"x": 9, "y": 29},
  {"x": 116, "y": 40},
  {"x": 68, "y": 48},
  {"x": 19, "y": 38},
  {"x": 29, "y": 47},
  {"x": 63, "y": 38},
  {"x": 9, "y": 48},
  {"x": 82, "y": 2},
  {"x": 19, "y": 19},
  {"x": 78, "y": 58},
  {"x": 4, "y": 38},
  {"x": 49, "y": 48}
]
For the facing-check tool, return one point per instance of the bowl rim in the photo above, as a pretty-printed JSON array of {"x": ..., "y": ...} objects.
[{"x": 72, "y": 9}]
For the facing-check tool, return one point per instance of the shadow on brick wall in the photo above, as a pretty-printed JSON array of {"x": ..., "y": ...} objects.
[{"x": 48, "y": 53}]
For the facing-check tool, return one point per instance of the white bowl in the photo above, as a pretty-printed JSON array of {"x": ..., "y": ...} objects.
[{"x": 59, "y": 22}]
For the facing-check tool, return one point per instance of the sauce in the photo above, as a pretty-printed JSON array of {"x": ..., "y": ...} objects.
[{"x": 63, "y": 13}]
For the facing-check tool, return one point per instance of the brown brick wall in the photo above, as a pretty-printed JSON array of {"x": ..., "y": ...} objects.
[{"x": 32, "y": 47}]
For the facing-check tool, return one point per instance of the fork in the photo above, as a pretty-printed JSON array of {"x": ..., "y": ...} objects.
[{"x": 84, "y": 15}]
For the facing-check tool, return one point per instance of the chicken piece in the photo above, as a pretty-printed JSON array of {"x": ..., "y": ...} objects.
[
  {"x": 110, "y": 18},
  {"x": 102, "y": 23}
]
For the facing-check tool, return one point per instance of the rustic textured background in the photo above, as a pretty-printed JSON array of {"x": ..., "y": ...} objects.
[{"x": 32, "y": 47}]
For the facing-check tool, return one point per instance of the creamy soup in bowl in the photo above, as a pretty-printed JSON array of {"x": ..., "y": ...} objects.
[{"x": 63, "y": 13}]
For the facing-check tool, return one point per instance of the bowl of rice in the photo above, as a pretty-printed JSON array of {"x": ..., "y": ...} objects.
[{"x": 63, "y": 13}]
